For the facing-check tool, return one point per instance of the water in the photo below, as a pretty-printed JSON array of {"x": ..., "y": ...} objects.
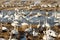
[
  {"x": 33, "y": 20},
  {"x": 23, "y": 38}
]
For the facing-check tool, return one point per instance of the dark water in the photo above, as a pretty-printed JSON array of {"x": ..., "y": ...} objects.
[{"x": 23, "y": 38}]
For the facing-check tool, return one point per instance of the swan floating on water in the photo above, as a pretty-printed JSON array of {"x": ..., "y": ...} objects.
[{"x": 14, "y": 23}]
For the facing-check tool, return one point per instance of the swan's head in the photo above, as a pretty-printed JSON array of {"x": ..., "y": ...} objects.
[{"x": 52, "y": 33}]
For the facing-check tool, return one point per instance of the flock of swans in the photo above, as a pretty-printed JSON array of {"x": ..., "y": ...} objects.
[
  {"x": 18, "y": 16},
  {"x": 22, "y": 16}
]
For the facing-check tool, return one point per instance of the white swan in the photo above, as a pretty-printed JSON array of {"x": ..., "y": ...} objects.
[
  {"x": 38, "y": 14},
  {"x": 25, "y": 17},
  {"x": 24, "y": 23},
  {"x": 1, "y": 15},
  {"x": 16, "y": 9},
  {"x": 47, "y": 13},
  {"x": 4, "y": 28},
  {"x": 55, "y": 14},
  {"x": 48, "y": 34},
  {"x": 15, "y": 30},
  {"x": 57, "y": 24},
  {"x": 46, "y": 25},
  {"x": 35, "y": 33},
  {"x": 11, "y": 17},
  {"x": 38, "y": 24},
  {"x": 6, "y": 16},
  {"x": 44, "y": 5},
  {"x": 15, "y": 23},
  {"x": 16, "y": 16},
  {"x": 23, "y": 12}
]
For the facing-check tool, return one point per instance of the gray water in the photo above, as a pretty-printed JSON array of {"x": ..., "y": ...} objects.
[
  {"x": 35, "y": 19},
  {"x": 23, "y": 38}
]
